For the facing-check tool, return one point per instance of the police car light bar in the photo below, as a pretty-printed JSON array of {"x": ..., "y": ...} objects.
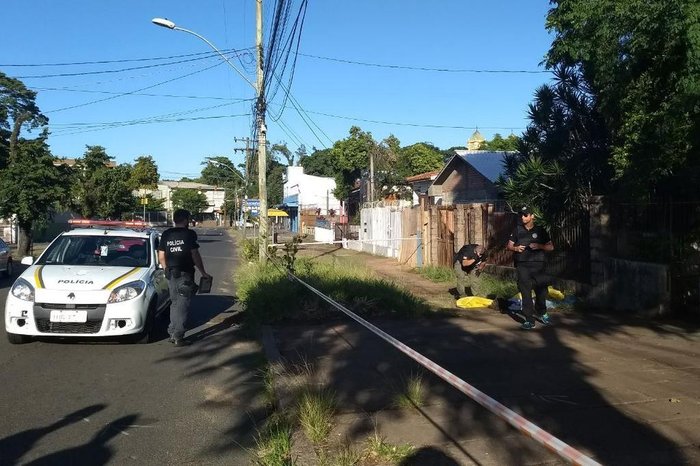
[{"x": 87, "y": 223}]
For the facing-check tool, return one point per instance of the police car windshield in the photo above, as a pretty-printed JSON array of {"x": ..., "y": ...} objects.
[{"x": 110, "y": 251}]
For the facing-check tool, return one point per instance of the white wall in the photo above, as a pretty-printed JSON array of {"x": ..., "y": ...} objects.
[{"x": 313, "y": 191}]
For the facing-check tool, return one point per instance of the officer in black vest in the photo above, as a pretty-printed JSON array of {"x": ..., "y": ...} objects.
[
  {"x": 178, "y": 254},
  {"x": 529, "y": 243},
  {"x": 468, "y": 263}
]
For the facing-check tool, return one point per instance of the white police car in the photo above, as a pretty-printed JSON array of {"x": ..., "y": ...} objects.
[{"x": 101, "y": 280}]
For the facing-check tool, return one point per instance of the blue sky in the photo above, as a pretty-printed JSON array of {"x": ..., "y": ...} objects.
[{"x": 196, "y": 116}]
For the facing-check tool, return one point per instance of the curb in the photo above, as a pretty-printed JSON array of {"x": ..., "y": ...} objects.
[{"x": 283, "y": 396}]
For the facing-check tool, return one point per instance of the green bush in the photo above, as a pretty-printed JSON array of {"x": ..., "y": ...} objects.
[
  {"x": 249, "y": 249},
  {"x": 269, "y": 296}
]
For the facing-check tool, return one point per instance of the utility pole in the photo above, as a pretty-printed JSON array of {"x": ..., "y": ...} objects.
[
  {"x": 262, "y": 130},
  {"x": 248, "y": 151},
  {"x": 371, "y": 174}
]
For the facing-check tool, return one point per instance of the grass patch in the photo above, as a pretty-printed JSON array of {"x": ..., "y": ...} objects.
[
  {"x": 268, "y": 378},
  {"x": 436, "y": 273},
  {"x": 412, "y": 393},
  {"x": 316, "y": 409},
  {"x": 270, "y": 297},
  {"x": 379, "y": 449},
  {"x": 273, "y": 444},
  {"x": 495, "y": 287}
]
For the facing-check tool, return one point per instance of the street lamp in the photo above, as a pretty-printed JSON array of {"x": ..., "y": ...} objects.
[
  {"x": 262, "y": 129},
  {"x": 166, "y": 23}
]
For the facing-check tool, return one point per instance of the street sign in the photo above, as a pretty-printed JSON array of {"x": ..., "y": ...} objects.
[
  {"x": 144, "y": 201},
  {"x": 252, "y": 206}
]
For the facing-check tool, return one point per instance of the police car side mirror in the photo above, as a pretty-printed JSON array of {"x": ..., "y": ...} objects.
[{"x": 27, "y": 260}]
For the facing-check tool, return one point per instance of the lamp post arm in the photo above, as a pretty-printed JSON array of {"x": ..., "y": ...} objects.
[{"x": 177, "y": 28}]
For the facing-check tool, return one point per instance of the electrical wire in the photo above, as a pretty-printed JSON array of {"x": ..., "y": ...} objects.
[
  {"x": 417, "y": 125},
  {"x": 160, "y": 120},
  {"x": 422, "y": 68},
  {"x": 127, "y": 60},
  {"x": 121, "y": 70},
  {"x": 87, "y": 91},
  {"x": 135, "y": 91}
]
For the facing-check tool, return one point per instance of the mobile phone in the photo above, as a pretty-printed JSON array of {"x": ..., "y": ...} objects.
[{"x": 205, "y": 284}]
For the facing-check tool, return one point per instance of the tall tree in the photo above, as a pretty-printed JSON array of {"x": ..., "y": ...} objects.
[
  {"x": 566, "y": 139},
  {"x": 98, "y": 188},
  {"x": 352, "y": 155},
  {"x": 31, "y": 187},
  {"x": 499, "y": 143},
  {"x": 189, "y": 199},
  {"x": 145, "y": 173},
  {"x": 18, "y": 110},
  {"x": 115, "y": 196},
  {"x": 320, "y": 163},
  {"x": 419, "y": 158},
  {"x": 300, "y": 154},
  {"x": 641, "y": 61},
  {"x": 281, "y": 151}
]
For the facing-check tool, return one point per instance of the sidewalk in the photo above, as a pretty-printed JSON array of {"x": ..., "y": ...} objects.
[{"x": 620, "y": 390}]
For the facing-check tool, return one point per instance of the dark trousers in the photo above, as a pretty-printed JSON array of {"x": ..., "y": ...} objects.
[
  {"x": 531, "y": 276},
  {"x": 181, "y": 291}
]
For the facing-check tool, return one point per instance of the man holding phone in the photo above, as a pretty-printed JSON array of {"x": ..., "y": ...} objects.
[{"x": 529, "y": 242}]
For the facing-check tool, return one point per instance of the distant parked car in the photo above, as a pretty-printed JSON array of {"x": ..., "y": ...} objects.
[{"x": 5, "y": 259}]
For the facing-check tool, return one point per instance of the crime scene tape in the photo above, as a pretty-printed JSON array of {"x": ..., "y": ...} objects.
[
  {"x": 526, "y": 427},
  {"x": 343, "y": 241}
]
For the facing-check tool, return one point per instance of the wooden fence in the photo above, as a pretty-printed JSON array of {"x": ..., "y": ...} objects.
[{"x": 430, "y": 235}]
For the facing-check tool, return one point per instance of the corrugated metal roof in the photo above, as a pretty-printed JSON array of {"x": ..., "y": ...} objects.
[{"x": 489, "y": 164}]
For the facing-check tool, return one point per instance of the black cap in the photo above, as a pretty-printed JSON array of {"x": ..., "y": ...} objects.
[{"x": 524, "y": 211}]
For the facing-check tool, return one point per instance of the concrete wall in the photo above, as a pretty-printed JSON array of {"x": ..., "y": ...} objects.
[{"x": 618, "y": 284}]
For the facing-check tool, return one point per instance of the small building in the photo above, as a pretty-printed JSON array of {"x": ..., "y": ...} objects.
[
  {"x": 420, "y": 184},
  {"x": 304, "y": 192},
  {"x": 215, "y": 196},
  {"x": 469, "y": 176}
]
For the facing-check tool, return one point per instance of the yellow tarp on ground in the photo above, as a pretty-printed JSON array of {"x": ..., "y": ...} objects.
[
  {"x": 552, "y": 293},
  {"x": 473, "y": 302}
]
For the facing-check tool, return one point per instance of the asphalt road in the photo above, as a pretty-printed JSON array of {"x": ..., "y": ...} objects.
[{"x": 82, "y": 402}]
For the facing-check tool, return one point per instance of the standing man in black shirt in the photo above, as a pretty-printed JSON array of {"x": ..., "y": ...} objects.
[
  {"x": 529, "y": 243},
  {"x": 178, "y": 254},
  {"x": 468, "y": 264}
]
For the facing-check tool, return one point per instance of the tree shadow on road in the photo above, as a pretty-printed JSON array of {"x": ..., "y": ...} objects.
[
  {"x": 13, "y": 447},
  {"x": 541, "y": 374},
  {"x": 94, "y": 452}
]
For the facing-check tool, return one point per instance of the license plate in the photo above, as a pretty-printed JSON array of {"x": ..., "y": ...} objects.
[{"x": 69, "y": 316}]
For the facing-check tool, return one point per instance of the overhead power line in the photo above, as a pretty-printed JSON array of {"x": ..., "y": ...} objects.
[
  {"x": 159, "y": 120},
  {"x": 423, "y": 68},
  {"x": 120, "y": 70},
  {"x": 134, "y": 91},
  {"x": 89, "y": 91},
  {"x": 416, "y": 125},
  {"x": 126, "y": 60}
]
